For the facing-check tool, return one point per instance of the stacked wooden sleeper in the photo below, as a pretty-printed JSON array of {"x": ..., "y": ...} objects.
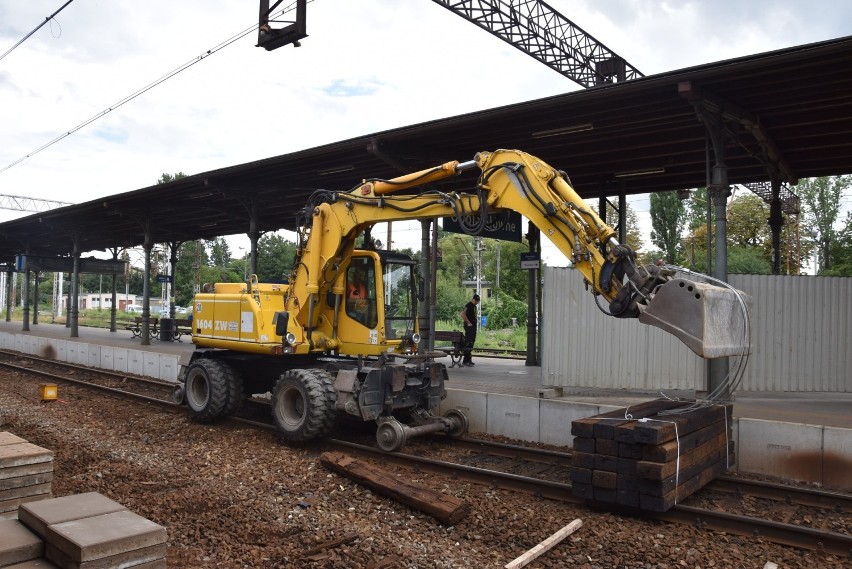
[{"x": 638, "y": 458}]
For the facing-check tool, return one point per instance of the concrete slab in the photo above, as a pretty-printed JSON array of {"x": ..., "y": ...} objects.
[
  {"x": 472, "y": 403},
  {"x": 47, "y": 348},
  {"x": 22, "y": 491},
  {"x": 40, "y": 563},
  {"x": 158, "y": 564},
  {"x": 134, "y": 362},
  {"x": 786, "y": 450},
  {"x": 94, "y": 355},
  {"x": 137, "y": 559},
  {"x": 556, "y": 417},
  {"x": 23, "y": 453},
  {"x": 107, "y": 354},
  {"x": 83, "y": 350},
  {"x": 151, "y": 364},
  {"x": 514, "y": 417},
  {"x": 17, "y": 543},
  {"x": 88, "y": 539},
  {"x": 168, "y": 367},
  {"x": 15, "y": 504},
  {"x": 7, "y": 438},
  {"x": 62, "y": 350},
  {"x": 71, "y": 352},
  {"x": 67, "y": 508},
  {"x": 119, "y": 359},
  {"x": 836, "y": 461},
  {"x": 26, "y": 470},
  {"x": 23, "y": 481}
]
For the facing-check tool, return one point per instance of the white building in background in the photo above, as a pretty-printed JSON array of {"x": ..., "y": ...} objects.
[{"x": 124, "y": 302}]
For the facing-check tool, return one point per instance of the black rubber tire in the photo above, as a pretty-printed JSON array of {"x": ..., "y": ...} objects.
[
  {"x": 303, "y": 405},
  {"x": 212, "y": 390}
]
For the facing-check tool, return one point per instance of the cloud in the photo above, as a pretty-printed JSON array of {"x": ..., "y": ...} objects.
[{"x": 347, "y": 88}]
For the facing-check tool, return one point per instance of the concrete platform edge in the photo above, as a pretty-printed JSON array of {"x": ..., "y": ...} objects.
[{"x": 790, "y": 451}]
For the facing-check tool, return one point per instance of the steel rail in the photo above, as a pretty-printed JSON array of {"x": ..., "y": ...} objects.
[
  {"x": 803, "y": 496},
  {"x": 776, "y": 532},
  {"x": 119, "y": 392}
]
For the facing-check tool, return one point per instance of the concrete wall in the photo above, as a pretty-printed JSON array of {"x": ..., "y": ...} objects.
[
  {"x": 151, "y": 364},
  {"x": 788, "y": 451}
]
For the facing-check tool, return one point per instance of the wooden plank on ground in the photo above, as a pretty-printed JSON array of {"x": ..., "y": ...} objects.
[
  {"x": 545, "y": 545},
  {"x": 445, "y": 508}
]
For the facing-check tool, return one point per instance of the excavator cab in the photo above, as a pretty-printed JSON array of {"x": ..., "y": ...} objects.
[{"x": 381, "y": 302}]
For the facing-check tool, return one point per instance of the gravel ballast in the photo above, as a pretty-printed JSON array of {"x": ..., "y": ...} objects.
[{"x": 233, "y": 496}]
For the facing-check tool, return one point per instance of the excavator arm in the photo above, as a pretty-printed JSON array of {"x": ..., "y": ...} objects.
[{"x": 699, "y": 314}]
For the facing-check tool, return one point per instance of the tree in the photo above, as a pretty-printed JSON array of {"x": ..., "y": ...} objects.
[
  {"x": 220, "y": 258},
  {"x": 191, "y": 258},
  {"x": 513, "y": 280},
  {"x": 667, "y": 219},
  {"x": 274, "y": 258},
  {"x": 633, "y": 231},
  {"x": 821, "y": 198},
  {"x": 841, "y": 252},
  {"x": 166, "y": 178}
]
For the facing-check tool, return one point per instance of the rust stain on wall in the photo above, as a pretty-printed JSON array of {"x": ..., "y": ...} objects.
[
  {"x": 48, "y": 352},
  {"x": 837, "y": 471}
]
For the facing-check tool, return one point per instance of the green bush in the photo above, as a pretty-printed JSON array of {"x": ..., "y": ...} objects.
[{"x": 500, "y": 315}]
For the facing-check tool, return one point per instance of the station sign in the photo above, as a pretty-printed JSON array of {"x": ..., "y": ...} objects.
[
  {"x": 164, "y": 278},
  {"x": 504, "y": 225},
  {"x": 530, "y": 261}
]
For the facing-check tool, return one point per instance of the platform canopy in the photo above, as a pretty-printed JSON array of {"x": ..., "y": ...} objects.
[{"x": 787, "y": 113}]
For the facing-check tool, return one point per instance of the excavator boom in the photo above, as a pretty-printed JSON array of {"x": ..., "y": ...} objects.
[{"x": 705, "y": 317}]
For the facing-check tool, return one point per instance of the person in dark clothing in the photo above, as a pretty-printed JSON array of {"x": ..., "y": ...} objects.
[{"x": 469, "y": 317}]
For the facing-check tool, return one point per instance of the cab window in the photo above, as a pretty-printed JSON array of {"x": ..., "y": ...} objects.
[{"x": 361, "y": 292}]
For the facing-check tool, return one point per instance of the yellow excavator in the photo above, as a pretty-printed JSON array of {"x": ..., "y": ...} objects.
[{"x": 341, "y": 337}]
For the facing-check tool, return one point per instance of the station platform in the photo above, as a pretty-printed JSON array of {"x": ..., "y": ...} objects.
[{"x": 804, "y": 437}]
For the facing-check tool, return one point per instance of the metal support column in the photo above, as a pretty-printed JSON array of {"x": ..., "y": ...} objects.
[
  {"x": 173, "y": 251},
  {"x": 254, "y": 236},
  {"x": 425, "y": 286},
  {"x": 10, "y": 278},
  {"x": 25, "y": 296},
  {"x": 146, "y": 292},
  {"x": 36, "y": 283},
  {"x": 74, "y": 293},
  {"x": 776, "y": 223},
  {"x": 720, "y": 193},
  {"x": 533, "y": 236},
  {"x": 114, "y": 297}
]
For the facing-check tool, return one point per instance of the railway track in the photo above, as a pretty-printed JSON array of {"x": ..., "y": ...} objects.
[{"x": 539, "y": 472}]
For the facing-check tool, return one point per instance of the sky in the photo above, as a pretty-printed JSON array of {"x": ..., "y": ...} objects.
[{"x": 367, "y": 66}]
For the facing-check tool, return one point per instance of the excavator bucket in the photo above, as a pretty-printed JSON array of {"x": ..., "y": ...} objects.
[{"x": 712, "y": 321}]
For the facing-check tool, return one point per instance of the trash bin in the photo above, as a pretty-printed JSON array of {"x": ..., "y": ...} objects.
[{"x": 167, "y": 329}]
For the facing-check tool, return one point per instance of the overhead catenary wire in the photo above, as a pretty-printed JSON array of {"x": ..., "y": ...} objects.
[
  {"x": 146, "y": 88},
  {"x": 37, "y": 28}
]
